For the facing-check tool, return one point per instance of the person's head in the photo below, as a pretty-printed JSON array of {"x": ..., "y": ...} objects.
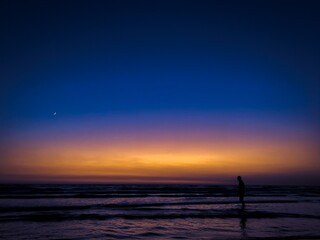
[{"x": 239, "y": 178}]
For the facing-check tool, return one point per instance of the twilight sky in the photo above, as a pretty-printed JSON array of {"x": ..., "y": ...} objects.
[{"x": 160, "y": 91}]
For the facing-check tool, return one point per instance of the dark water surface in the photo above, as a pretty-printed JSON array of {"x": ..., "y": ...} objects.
[{"x": 158, "y": 211}]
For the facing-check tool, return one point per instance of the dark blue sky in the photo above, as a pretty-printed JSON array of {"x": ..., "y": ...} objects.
[{"x": 80, "y": 58}]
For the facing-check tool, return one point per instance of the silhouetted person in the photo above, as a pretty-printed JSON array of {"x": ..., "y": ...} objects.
[{"x": 241, "y": 190}]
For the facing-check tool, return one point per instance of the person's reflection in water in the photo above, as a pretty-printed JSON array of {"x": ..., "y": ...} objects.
[{"x": 243, "y": 223}]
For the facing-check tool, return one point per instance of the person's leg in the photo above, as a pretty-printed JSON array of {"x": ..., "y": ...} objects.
[{"x": 241, "y": 198}]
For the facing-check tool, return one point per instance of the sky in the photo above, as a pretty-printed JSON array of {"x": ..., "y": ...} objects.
[{"x": 160, "y": 91}]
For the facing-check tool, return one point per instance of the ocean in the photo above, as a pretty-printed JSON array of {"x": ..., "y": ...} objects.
[{"x": 158, "y": 211}]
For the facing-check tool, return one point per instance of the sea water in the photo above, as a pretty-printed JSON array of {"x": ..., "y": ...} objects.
[{"x": 158, "y": 211}]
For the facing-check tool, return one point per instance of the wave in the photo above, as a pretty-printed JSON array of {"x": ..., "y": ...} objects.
[
  {"x": 145, "y": 190},
  {"x": 96, "y": 195},
  {"x": 158, "y": 215},
  {"x": 131, "y": 205}
]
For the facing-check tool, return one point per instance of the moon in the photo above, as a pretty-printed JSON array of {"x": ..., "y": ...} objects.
[{"x": 55, "y": 113}]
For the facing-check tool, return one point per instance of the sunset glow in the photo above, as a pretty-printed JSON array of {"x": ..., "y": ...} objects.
[{"x": 104, "y": 150}]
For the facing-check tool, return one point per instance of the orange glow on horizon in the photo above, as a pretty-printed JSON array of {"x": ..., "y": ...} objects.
[{"x": 174, "y": 158}]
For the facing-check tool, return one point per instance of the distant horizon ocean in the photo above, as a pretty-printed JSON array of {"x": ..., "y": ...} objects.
[{"x": 158, "y": 211}]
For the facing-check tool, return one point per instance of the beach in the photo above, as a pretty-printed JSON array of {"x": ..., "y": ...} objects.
[{"x": 158, "y": 211}]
